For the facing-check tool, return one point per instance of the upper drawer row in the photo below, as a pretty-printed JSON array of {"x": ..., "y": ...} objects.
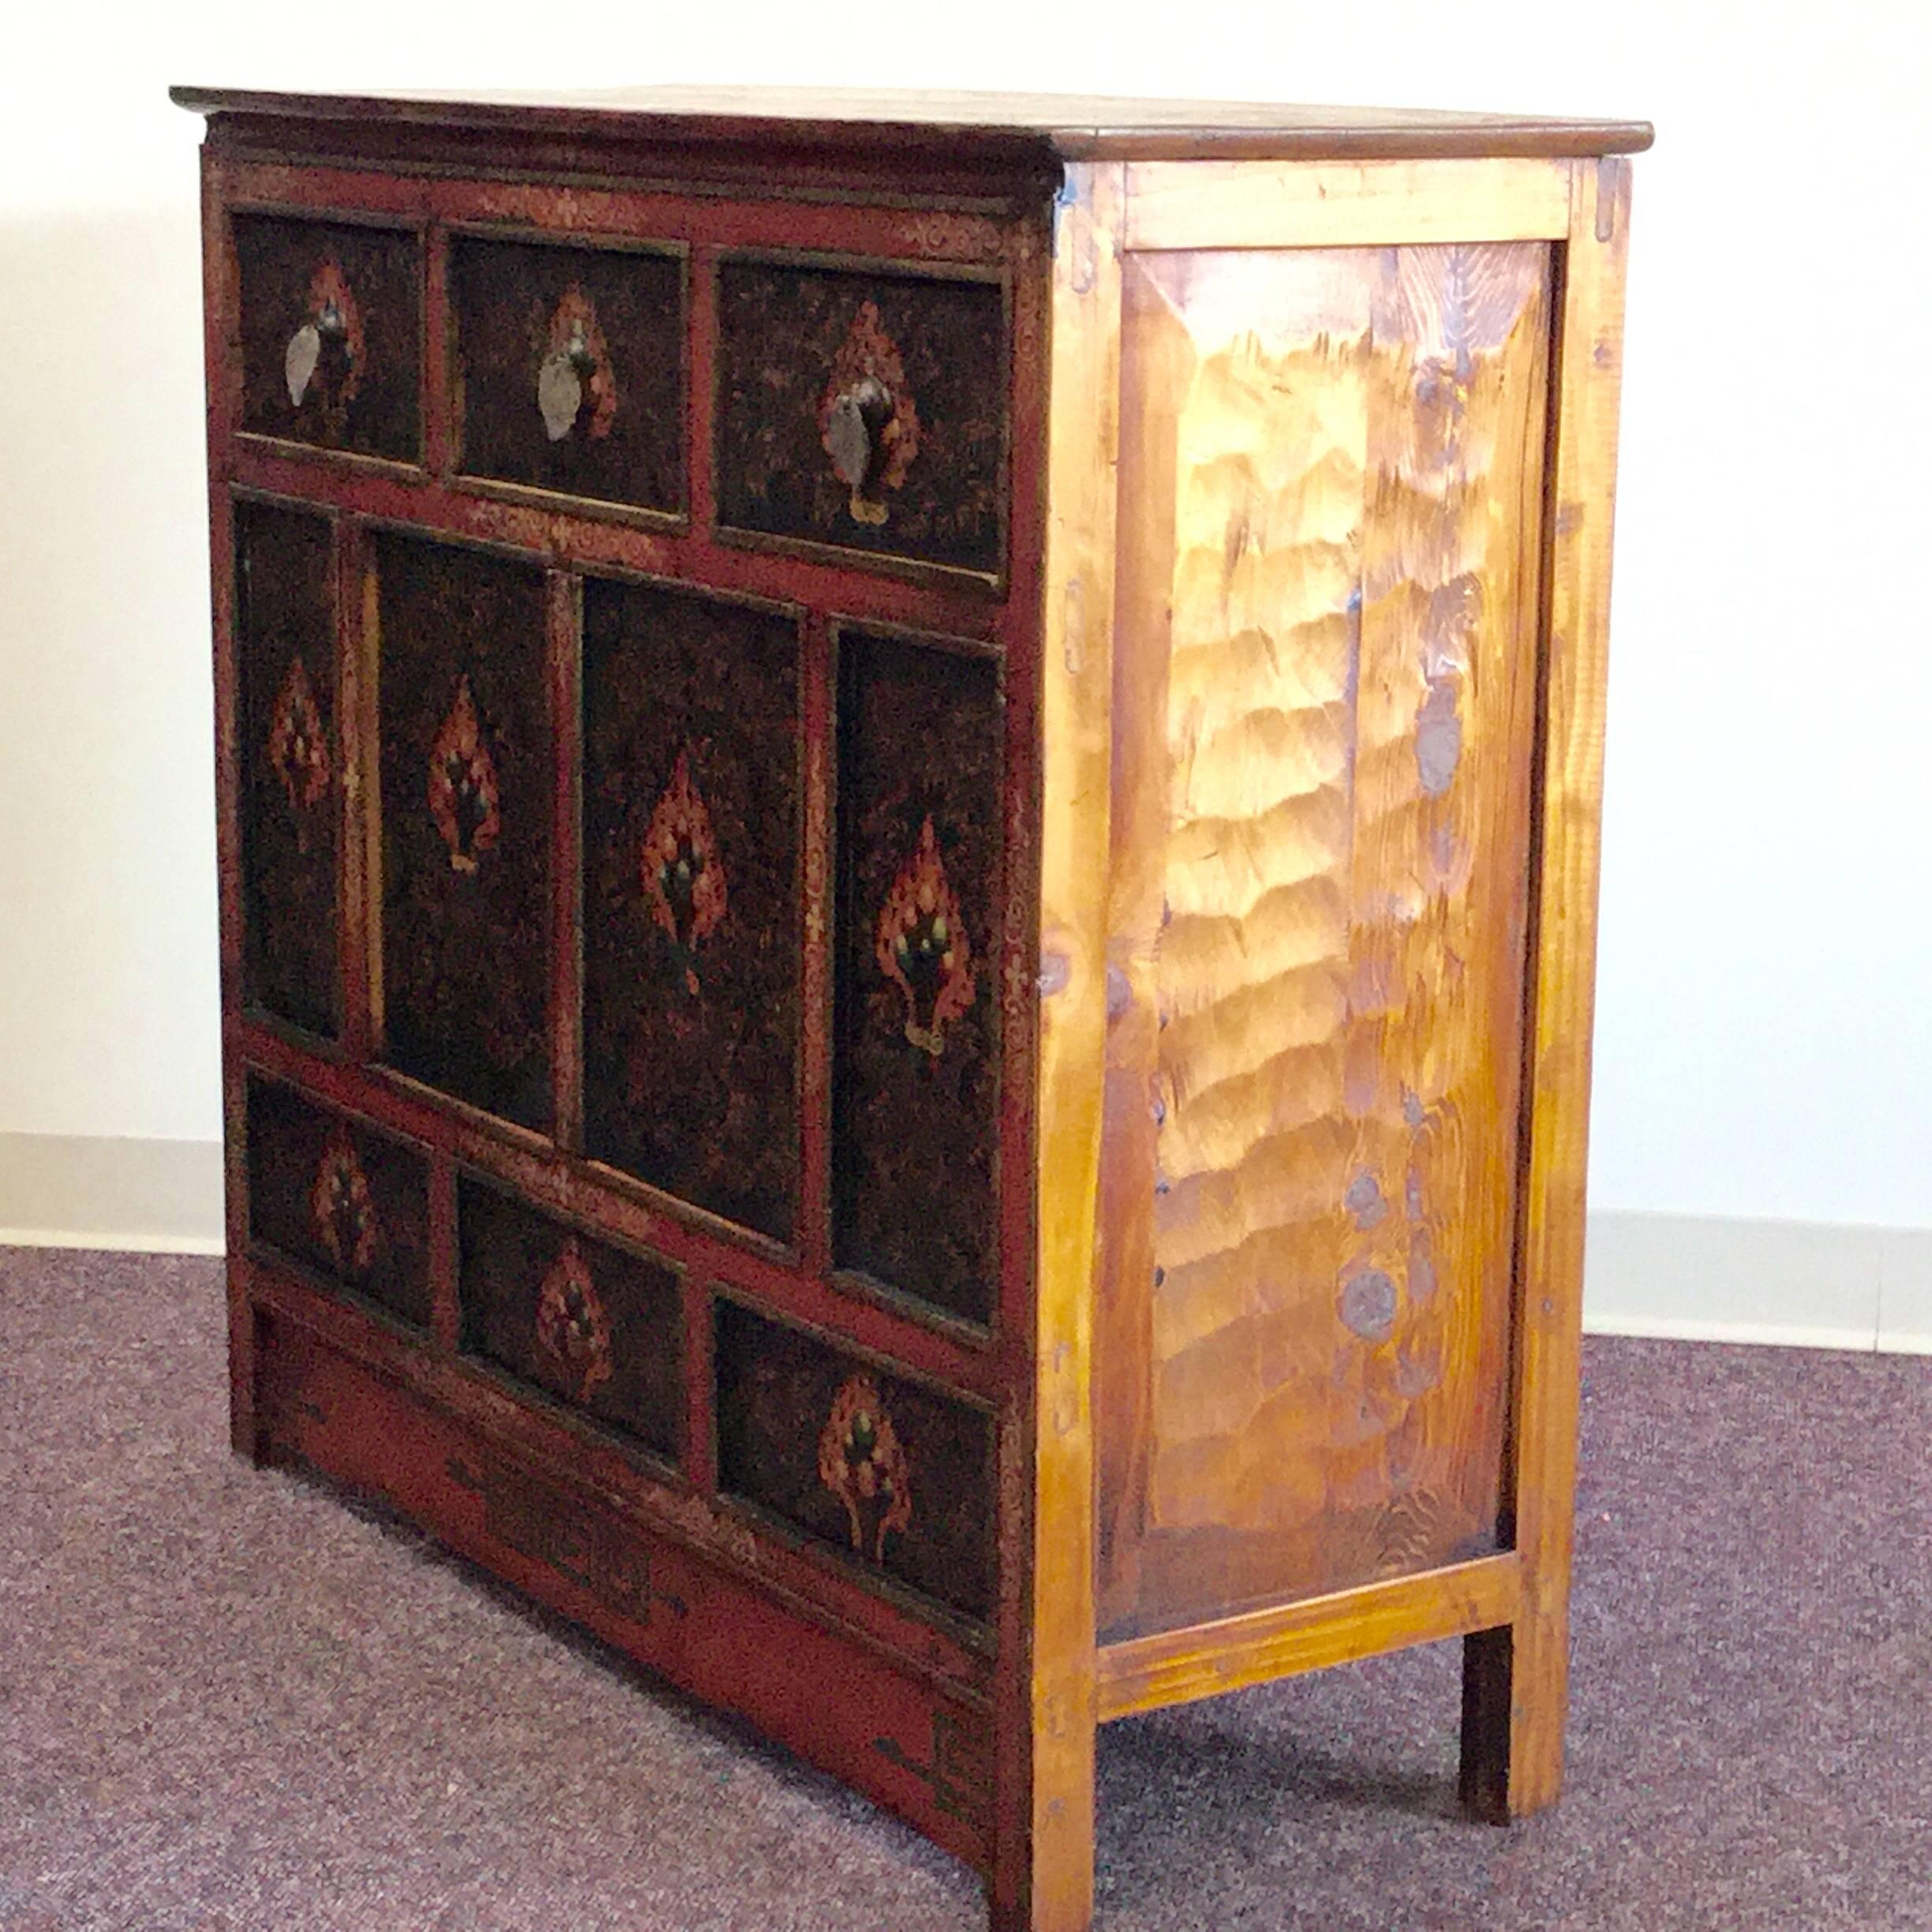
[{"x": 856, "y": 406}]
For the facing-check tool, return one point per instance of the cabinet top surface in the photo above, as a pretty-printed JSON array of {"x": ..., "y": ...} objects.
[{"x": 1016, "y": 126}]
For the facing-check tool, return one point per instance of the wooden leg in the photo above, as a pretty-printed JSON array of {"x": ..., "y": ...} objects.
[
  {"x": 1514, "y": 1693},
  {"x": 1046, "y": 1883}
]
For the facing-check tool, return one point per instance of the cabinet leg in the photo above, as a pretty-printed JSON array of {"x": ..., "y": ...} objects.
[
  {"x": 1514, "y": 1693},
  {"x": 1043, "y": 1881}
]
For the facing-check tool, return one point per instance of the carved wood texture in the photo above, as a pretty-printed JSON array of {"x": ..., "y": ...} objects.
[{"x": 1336, "y": 456}]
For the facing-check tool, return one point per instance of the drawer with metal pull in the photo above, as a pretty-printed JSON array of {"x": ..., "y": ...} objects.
[
  {"x": 863, "y": 408},
  {"x": 568, "y": 369},
  {"x": 332, "y": 334}
]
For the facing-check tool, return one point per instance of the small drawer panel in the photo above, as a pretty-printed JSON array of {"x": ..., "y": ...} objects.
[
  {"x": 339, "y": 1198},
  {"x": 915, "y": 1088},
  {"x": 864, "y": 409},
  {"x": 892, "y": 1475},
  {"x": 690, "y": 901},
  {"x": 467, "y": 783},
  {"x": 289, "y": 764},
  {"x": 590, "y": 1324},
  {"x": 570, "y": 367},
  {"x": 332, "y": 334}
]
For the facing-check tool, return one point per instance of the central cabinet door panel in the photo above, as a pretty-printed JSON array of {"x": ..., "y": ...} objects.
[
  {"x": 916, "y": 1078},
  {"x": 691, "y": 897},
  {"x": 467, "y": 775}
]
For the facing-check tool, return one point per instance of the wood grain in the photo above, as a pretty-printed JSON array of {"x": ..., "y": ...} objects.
[
  {"x": 1338, "y": 485},
  {"x": 1231, "y": 1652},
  {"x": 1047, "y": 1884},
  {"x": 1203, "y": 204},
  {"x": 1516, "y": 1685},
  {"x": 853, "y": 126}
]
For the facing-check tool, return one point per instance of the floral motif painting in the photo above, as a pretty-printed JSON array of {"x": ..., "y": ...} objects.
[{"x": 862, "y": 1463}]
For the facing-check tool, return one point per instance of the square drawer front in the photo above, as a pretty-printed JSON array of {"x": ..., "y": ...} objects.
[
  {"x": 569, "y": 368},
  {"x": 915, "y": 1071},
  {"x": 590, "y": 1324},
  {"x": 468, "y": 776},
  {"x": 893, "y": 1475},
  {"x": 691, "y": 952},
  {"x": 339, "y": 1198},
  {"x": 864, "y": 408},
  {"x": 332, "y": 334},
  {"x": 288, "y": 763}
]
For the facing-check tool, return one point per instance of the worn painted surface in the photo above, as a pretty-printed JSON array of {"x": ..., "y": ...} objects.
[{"x": 1341, "y": 453}]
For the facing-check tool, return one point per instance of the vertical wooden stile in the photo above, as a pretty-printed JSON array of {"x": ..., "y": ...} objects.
[
  {"x": 1515, "y": 1690},
  {"x": 564, "y": 623},
  {"x": 1047, "y": 1885},
  {"x": 355, "y": 725}
]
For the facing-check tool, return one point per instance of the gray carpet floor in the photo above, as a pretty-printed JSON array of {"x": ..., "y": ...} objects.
[{"x": 230, "y": 1704}]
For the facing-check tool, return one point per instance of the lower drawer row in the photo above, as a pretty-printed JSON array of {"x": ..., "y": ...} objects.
[
  {"x": 920, "y": 1746},
  {"x": 895, "y": 1476}
]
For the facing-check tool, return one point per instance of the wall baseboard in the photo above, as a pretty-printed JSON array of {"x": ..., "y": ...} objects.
[
  {"x": 1689, "y": 1278},
  {"x": 138, "y": 1196},
  {"x": 1795, "y": 1284}
]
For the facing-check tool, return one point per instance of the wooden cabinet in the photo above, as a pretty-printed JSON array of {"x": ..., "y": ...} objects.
[{"x": 909, "y": 836}]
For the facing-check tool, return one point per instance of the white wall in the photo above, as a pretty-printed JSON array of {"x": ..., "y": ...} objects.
[{"x": 1764, "y": 1044}]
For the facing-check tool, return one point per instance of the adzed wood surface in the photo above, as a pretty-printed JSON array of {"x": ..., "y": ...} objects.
[{"x": 1334, "y": 459}]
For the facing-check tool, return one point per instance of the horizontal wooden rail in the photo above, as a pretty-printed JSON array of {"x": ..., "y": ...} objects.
[
  {"x": 1224, "y": 204},
  {"x": 1203, "y": 1660}
]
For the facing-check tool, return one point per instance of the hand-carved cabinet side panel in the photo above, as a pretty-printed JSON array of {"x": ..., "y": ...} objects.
[
  {"x": 332, "y": 334},
  {"x": 289, "y": 760},
  {"x": 895, "y": 1476},
  {"x": 691, "y": 902},
  {"x": 350, "y": 1203},
  {"x": 569, "y": 368},
  {"x": 1344, "y": 451},
  {"x": 467, "y": 779},
  {"x": 588, "y": 1324},
  {"x": 915, "y": 1093},
  {"x": 863, "y": 409}
]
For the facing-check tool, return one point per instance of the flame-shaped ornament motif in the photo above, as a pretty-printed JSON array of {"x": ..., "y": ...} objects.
[
  {"x": 298, "y": 745},
  {"x": 868, "y": 422},
  {"x": 862, "y": 1463},
  {"x": 576, "y": 371},
  {"x": 463, "y": 797},
  {"x": 573, "y": 1331},
  {"x": 325, "y": 354},
  {"x": 922, "y": 947},
  {"x": 342, "y": 1210},
  {"x": 682, "y": 874}
]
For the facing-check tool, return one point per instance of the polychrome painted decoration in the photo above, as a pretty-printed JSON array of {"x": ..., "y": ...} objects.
[
  {"x": 691, "y": 904},
  {"x": 467, "y": 767},
  {"x": 915, "y": 1086},
  {"x": 863, "y": 409}
]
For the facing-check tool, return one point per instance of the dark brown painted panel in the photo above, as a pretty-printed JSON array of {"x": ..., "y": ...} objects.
[
  {"x": 467, "y": 780},
  {"x": 569, "y": 368},
  {"x": 894, "y": 1476},
  {"x": 865, "y": 408},
  {"x": 691, "y": 921},
  {"x": 915, "y": 1093},
  {"x": 332, "y": 334},
  {"x": 340, "y": 1198},
  {"x": 290, "y": 756},
  {"x": 590, "y": 1324}
]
